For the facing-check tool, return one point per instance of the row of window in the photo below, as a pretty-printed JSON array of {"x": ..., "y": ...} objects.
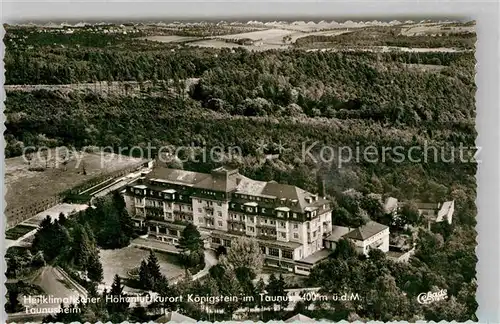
[
  {"x": 164, "y": 230},
  {"x": 209, "y": 203},
  {"x": 269, "y": 251},
  {"x": 209, "y": 212}
]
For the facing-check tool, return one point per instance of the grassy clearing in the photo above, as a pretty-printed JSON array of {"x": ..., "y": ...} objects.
[{"x": 18, "y": 231}]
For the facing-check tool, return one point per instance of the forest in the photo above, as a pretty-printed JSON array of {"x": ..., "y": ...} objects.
[{"x": 285, "y": 99}]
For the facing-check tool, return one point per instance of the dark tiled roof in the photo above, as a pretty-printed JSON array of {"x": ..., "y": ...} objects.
[
  {"x": 229, "y": 180},
  {"x": 366, "y": 231},
  {"x": 177, "y": 176}
]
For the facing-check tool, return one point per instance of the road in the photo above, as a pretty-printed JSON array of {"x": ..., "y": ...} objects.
[{"x": 56, "y": 285}]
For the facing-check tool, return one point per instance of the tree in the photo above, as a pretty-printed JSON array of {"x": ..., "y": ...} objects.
[
  {"x": 345, "y": 249},
  {"x": 153, "y": 266},
  {"x": 145, "y": 277},
  {"x": 191, "y": 245},
  {"x": 94, "y": 267},
  {"x": 245, "y": 253},
  {"x": 276, "y": 288},
  {"x": 118, "y": 304},
  {"x": 82, "y": 247},
  {"x": 409, "y": 214},
  {"x": 62, "y": 219},
  {"x": 13, "y": 305},
  {"x": 230, "y": 287},
  {"x": 139, "y": 314},
  {"x": 190, "y": 239}
]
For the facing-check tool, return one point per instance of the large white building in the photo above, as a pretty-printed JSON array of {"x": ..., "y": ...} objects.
[{"x": 288, "y": 222}]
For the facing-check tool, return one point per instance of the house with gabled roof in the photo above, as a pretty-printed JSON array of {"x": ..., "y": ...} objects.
[
  {"x": 433, "y": 212},
  {"x": 370, "y": 236}
]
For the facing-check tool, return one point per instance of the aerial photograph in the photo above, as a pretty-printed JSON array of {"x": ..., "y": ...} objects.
[{"x": 240, "y": 170}]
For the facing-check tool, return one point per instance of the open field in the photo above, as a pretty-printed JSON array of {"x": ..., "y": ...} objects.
[
  {"x": 171, "y": 39},
  {"x": 269, "y": 36},
  {"x": 26, "y": 183},
  {"x": 121, "y": 261},
  {"x": 435, "y": 29}
]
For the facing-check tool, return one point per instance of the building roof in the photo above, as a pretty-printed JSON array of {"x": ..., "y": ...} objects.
[
  {"x": 229, "y": 180},
  {"x": 299, "y": 318},
  {"x": 176, "y": 176},
  {"x": 316, "y": 256},
  {"x": 390, "y": 204},
  {"x": 337, "y": 233},
  {"x": 446, "y": 211},
  {"x": 422, "y": 205},
  {"x": 366, "y": 231},
  {"x": 174, "y": 317}
]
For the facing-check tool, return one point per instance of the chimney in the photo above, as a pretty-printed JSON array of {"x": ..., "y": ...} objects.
[{"x": 321, "y": 186}]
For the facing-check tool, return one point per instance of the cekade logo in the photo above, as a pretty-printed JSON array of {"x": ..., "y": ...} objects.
[{"x": 430, "y": 297}]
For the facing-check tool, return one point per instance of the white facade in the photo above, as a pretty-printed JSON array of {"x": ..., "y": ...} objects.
[{"x": 378, "y": 241}]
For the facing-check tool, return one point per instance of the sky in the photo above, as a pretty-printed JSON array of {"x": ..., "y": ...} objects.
[{"x": 70, "y": 10}]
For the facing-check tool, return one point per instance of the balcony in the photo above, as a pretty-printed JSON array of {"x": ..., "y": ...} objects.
[
  {"x": 181, "y": 222},
  {"x": 155, "y": 217},
  {"x": 183, "y": 213},
  {"x": 157, "y": 208},
  {"x": 268, "y": 237}
]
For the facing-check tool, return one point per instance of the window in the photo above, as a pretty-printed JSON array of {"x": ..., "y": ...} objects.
[
  {"x": 251, "y": 229},
  {"x": 219, "y": 223},
  {"x": 219, "y": 214},
  {"x": 199, "y": 201},
  {"x": 216, "y": 240},
  {"x": 274, "y": 252},
  {"x": 210, "y": 203},
  {"x": 283, "y": 235},
  {"x": 287, "y": 254},
  {"x": 295, "y": 226},
  {"x": 295, "y": 235},
  {"x": 273, "y": 222},
  {"x": 263, "y": 249},
  {"x": 199, "y": 210},
  {"x": 219, "y": 204},
  {"x": 265, "y": 220},
  {"x": 200, "y": 219}
]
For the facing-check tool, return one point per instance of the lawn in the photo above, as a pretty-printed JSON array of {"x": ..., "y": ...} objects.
[
  {"x": 18, "y": 231},
  {"x": 121, "y": 261},
  {"x": 26, "y": 186}
]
